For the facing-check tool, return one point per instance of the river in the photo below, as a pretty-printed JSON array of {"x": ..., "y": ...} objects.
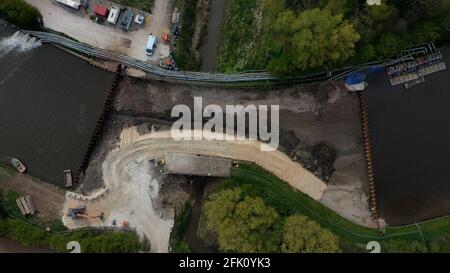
[
  {"x": 50, "y": 101},
  {"x": 410, "y": 136},
  {"x": 209, "y": 48}
]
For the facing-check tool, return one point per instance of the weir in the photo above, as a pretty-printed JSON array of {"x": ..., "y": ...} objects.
[{"x": 99, "y": 126}]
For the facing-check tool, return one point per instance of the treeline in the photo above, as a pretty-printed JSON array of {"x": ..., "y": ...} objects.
[
  {"x": 297, "y": 36},
  {"x": 20, "y": 13},
  {"x": 246, "y": 224}
]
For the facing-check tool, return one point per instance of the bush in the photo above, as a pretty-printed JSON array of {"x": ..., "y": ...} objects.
[
  {"x": 177, "y": 242},
  {"x": 395, "y": 246},
  {"x": 93, "y": 241},
  {"x": 20, "y": 13},
  {"x": 441, "y": 245}
]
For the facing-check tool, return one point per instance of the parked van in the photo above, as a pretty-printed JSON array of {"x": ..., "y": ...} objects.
[
  {"x": 114, "y": 15},
  {"x": 127, "y": 18},
  {"x": 151, "y": 45}
]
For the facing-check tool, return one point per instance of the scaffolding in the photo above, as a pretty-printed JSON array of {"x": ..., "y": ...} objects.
[{"x": 414, "y": 65}]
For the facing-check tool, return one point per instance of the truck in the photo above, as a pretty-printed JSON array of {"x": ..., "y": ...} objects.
[
  {"x": 127, "y": 18},
  {"x": 75, "y": 4},
  {"x": 114, "y": 15},
  {"x": 151, "y": 45}
]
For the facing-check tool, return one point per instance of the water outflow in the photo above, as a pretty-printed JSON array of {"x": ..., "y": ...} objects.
[{"x": 20, "y": 42}]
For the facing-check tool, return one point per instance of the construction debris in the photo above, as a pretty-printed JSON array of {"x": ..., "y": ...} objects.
[
  {"x": 197, "y": 165},
  {"x": 26, "y": 205}
]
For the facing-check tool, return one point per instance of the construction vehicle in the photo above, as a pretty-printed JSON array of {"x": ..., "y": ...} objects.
[{"x": 76, "y": 213}]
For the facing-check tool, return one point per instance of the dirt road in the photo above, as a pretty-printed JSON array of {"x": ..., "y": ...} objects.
[
  {"x": 105, "y": 36},
  {"x": 132, "y": 186}
]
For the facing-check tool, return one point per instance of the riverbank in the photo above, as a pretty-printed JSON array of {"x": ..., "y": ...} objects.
[{"x": 10, "y": 246}]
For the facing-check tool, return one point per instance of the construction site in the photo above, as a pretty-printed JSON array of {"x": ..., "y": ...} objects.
[{"x": 138, "y": 176}]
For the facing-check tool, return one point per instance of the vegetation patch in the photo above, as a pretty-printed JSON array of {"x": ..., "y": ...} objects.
[
  {"x": 91, "y": 241},
  {"x": 291, "y": 37},
  {"x": 20, "y": 13},
  {"x": 246, "y": 224},
  {"x": 177, "y": 242},
  {"x": 185, "y": 55},
  {"x": 253, "y": 182},
  {"x": 145, "y": 5}
]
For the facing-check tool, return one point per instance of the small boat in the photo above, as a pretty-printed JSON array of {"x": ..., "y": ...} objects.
[{"x": 18, "y": 165}]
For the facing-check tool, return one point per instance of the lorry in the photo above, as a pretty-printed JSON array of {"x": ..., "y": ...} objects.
[
  {"x": 75, "y": 4},
  {"x": 127, "y": 18},
  {"x": 114, "y": 15},
  {"x": 151, "y": 45}
]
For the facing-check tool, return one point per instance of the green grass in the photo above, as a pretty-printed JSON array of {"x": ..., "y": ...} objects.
[
  {"x": 238, "y": 48},
  {"x": 287, "y": 201},
  {"x": 145, "y": 5}
]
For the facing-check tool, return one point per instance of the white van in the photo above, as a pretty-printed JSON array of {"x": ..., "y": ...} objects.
[
  {"x": 114, "y": 15},
  {"x": 151, "y": 45}
]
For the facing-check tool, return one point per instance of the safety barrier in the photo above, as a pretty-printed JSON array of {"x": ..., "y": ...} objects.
[
  {"x": 188, "y": 76},
  {"x": 368, "y": 152}
]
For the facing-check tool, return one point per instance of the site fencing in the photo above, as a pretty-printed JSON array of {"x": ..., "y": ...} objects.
[{"x": 201, "y": 77}]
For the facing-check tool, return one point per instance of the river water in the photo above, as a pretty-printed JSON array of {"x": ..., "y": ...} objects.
[
  {"x": 49, "y": 105},
  {"x": 410, "y": 135},
  {"x": 209, "y": 48}
]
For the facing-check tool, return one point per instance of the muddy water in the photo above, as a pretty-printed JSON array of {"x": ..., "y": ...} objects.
[
  {"x": 10, "y": 246},
  {"x": 209, "y": 48},
  {"x": 49, "y": 105},
  {"x": 410, "y": 133},
  {"x": 195, "y": 243}
]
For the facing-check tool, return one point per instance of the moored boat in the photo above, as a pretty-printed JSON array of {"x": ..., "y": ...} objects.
[{"x": 18, "y": 165}]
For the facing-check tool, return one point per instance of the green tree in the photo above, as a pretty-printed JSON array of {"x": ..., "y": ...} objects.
[
  {"x": 242, "y": 224},
  {"x": 313, "y": 39},
  {"x": 20, "y": 13},
  {"x": 302, "y": 235},
  {"x": 388, "y": 45}
]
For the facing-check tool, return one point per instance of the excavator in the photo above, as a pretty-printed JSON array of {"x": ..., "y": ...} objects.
[{"x": 80, "y": 212}]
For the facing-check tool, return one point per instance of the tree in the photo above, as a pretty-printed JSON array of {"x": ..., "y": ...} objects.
[
  {"x": 242, "y": 224},
  {"x": 313, "y": 39},
  {"x": 302, "y": 235},
  {"x": 20, "y": 13},
  {"x": 388, "y": 45}
]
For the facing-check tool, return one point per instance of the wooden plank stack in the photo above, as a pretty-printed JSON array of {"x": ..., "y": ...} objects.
[{"x": 26, "y": 205}]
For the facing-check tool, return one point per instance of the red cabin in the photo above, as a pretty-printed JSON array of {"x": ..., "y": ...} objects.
[{"x": 101, "y": 11}]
